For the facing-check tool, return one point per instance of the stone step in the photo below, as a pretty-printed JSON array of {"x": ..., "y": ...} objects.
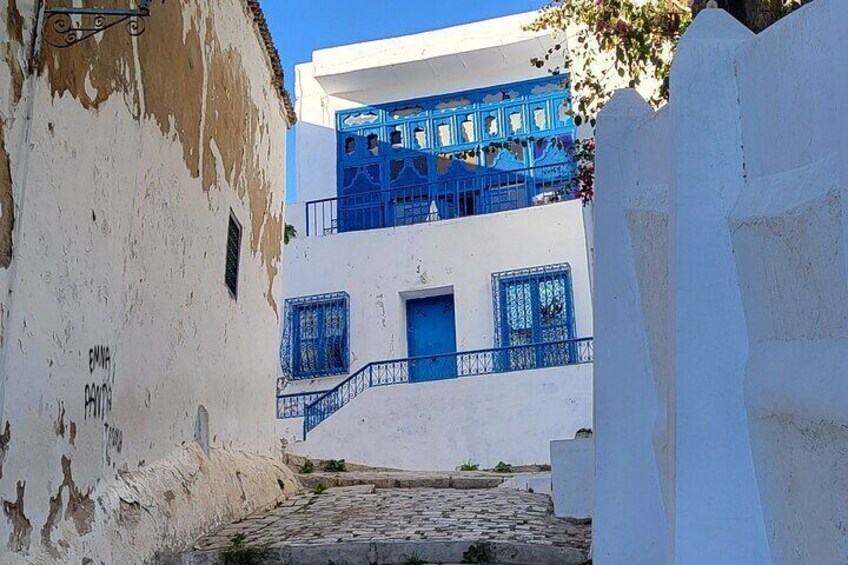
[
  {"x": 365, "y": 525},
  {"x": 462, "y": 480},
  {"x": 401, "y": 553}
]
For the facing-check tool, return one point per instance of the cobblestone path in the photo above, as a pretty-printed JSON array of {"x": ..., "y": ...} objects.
[{"x": 362, "y": 525}]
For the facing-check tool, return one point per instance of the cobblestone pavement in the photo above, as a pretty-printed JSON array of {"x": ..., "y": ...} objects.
[{"x": 440, "y": 522}]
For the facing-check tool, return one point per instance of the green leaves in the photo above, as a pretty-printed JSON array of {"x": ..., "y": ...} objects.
[{"x": 637, "y": 40}]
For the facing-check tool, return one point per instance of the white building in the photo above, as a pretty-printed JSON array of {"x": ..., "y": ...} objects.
[{"x": 435, "y": 224}]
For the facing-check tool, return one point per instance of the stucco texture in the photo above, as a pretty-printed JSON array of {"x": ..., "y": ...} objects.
[
  {"x": 123, "y": 158},
  {"x": 748, "y": 344}
]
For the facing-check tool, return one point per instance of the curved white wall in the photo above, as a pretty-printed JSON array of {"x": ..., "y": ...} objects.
[{"x": 737, "y": 375}]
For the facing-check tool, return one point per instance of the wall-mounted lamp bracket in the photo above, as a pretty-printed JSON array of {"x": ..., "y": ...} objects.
[{"x": 67, "y": 26}]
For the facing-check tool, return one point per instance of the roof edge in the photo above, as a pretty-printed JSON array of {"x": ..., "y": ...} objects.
[{"x": 274, "y": 56}]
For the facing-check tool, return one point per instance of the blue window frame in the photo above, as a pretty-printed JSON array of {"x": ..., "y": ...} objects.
[
  {"x": 315, "y": 340},
  {"x": 534, "y": 306}
]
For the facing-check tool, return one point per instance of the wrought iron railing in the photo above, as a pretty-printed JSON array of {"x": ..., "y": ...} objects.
[
  {"x": 433, "y": 368},
  {"x": 294, "y": 405},
  {"x": 484, "y": 193}
]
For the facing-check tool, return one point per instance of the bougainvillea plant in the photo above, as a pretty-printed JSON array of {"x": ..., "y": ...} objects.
[{"x": 631, "y": 44}]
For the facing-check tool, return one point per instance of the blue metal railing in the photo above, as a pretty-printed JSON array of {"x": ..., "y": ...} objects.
[
  {"x": 438, "y": 367},
  {"x": 294, "y": 405},
  {"x": 484, "y": 193}
]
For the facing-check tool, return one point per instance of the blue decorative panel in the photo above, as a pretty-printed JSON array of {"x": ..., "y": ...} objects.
[
  {"x": 484, "y": 132},
  {"x": 533, "y": 306},
  {"x": 315, "y": 339}
]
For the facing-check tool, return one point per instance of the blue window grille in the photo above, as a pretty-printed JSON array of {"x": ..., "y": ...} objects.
[
  {"x": 315, "y": 339},
  {"x": 446, "y": 156},
  {"x": 533, "y": 306}
]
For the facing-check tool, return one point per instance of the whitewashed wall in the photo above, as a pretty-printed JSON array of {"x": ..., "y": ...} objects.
[
  {"x": 573, "y": 477},
  {"x": 380, "y": 269},
  {"x": 126, "y": 156},
  {"x": 441, "y": 425},
  {"x": 735, "y": 410}
]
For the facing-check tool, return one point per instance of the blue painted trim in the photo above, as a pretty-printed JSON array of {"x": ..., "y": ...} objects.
[{"x": 316, "y": 337}]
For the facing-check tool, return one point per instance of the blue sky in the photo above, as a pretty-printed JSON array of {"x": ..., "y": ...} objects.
[{"x": 300, "y": 27}]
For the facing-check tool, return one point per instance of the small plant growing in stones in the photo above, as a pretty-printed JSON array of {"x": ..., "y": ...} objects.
[
  {"x": 469, "y": 466},
  {"x": 240, "y": 553},
  {"x": 583, "y": 433},
  {"x": 544, "y": 467},
  {"x": 476, "y": 553},
  {"x": 307, "y": 467},
  {"x": 502, "y": 467},
  {"x": 334, "y": 466},
  {"x": 412, "y": 559},
  {"x": 320, "y": 488}
]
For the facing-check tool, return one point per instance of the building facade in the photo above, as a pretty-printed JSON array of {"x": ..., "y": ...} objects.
[
  {"x": 441, "y": 310},
  {"x": 141, "y": 215}
]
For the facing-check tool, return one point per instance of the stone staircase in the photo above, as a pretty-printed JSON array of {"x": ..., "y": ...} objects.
[{"x": 399, "y": 518}]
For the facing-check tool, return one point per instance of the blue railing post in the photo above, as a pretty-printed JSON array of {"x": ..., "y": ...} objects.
[{"x": 308, "y": 204}]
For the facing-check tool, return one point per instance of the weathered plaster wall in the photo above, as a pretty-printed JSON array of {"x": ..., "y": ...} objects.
[
  {"x": 748, "y": 349},
  {"x": 125, "y": 156}
]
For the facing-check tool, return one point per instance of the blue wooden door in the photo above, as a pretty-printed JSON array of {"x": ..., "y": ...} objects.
[{"x": 431, "y": 335}]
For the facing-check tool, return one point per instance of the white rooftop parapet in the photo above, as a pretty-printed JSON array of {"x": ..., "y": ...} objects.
[{"x": 442, "y": 58}]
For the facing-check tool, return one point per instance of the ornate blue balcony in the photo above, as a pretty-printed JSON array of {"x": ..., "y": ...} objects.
[{"x": 496, "y": 191}]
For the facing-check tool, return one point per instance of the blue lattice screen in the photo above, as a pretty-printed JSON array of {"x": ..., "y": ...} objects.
[
  {"x": 316, "y": 335},
  {"x": 533, "y": 306},
  {"x": 446, "y": 156}
]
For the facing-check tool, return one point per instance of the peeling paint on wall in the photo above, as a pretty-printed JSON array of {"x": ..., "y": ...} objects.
[
  {"x": 5, "y": 438},
  {"x": 7, "y": 211},
  {"x": 15, "y": 29},
  {"x": 80, "y": 509},
  {"x": 137, "y": 147},
  {"x": 19, "y": 538},
  {"x": 174, "y": 68},
  {"x": 232, "y": 117}
]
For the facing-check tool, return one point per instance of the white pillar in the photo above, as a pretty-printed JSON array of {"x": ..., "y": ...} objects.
[
  {"x": 716, "y": 515},
  {"x": 629, "y": 524}
]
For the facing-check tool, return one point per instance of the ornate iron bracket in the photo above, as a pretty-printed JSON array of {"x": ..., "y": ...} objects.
[{"x": 67, "y": 26}]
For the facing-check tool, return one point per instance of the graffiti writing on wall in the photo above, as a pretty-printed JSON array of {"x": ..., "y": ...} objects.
[
  {"x": 97, "y": 400},
  {"x": 98, "y": 395},
  {"x": 99, "y": 356},
  {"x": 113, "y": 442}
]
